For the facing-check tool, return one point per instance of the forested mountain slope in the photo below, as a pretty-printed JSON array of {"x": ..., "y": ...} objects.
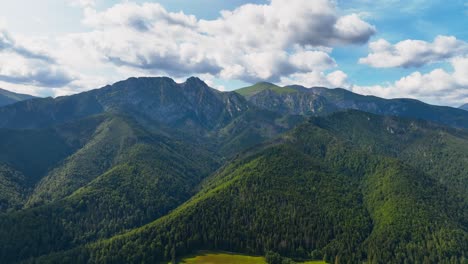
[
  {"x": 81, "y": 179},
  {"x": 7, "y": 97},
  {"x": 315, "y": 193},
  {"x": 122, "y": 178},
  {"x": 148, "y": 169}
]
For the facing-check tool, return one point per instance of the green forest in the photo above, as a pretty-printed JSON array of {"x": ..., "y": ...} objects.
[{"x": 133, "y": 179}]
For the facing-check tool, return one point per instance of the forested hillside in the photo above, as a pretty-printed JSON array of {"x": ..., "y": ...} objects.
[
  {"x": 150, "y": 170},
  {"x": 314, "y": 194},
  {"x": 7, "y": 97}
]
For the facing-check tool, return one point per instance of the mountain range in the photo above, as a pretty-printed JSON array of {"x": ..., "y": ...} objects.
[
  {"x": 7, "y": 97},
  {"x": 147, "y": 170},
  {"x": 464, "y": 107}
]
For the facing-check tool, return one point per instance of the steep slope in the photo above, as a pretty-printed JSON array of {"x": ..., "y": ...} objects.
[
  {"x": 190, "y": 112},
  {"x": 28, "y": 155},
  {"x": 111, "y": 138},
  {"x": 13, "y": 188},
  {"x": 133, "y": 177},
  {"x": 464, "y": 107},
  {"x": 293, "y": 99},
  {"x": 440, "y": 152},
  {"x": 410, "y": 108},
  {"x": 267, "y": 202},
  {"x": 33, "y": 152},
  {"x": 251, "y": 129},
  {"x": 317, "y": 101},
  {"x": 315, "y": 193},
  {"x": 120, "y": 176},
  {"x": 191, "y": 105},
  {"x": 7, "y": 97},
  {"x": 297, "y": 103}
]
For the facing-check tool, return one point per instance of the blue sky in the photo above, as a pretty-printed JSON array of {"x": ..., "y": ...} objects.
[{"x": 392, "y": 48}]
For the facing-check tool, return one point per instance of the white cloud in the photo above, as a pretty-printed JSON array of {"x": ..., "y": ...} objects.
[
  {"x": 29, "y": 65},
  {"x": 285, "y": 23},
  {"x": 140, "y": 17},
  {"x": 337, "y": 79},
  {"x": 438, "y": 86},
  {"x": 288, "y": 42},
  {"x": 460, "y": 74},
  {"x": 9, "y": 44},
  {"x": 250, "y": 43},
  {"x": 22, "y": 70},
  {"x": 276, "y": 41},
  {"x": 413, "y": 53},
  {"x": 83, "y": 3},
  {"x": 318, "y": 79},
  {"x": 311, "y": 60},
  {"x": 352, "y": 29}
]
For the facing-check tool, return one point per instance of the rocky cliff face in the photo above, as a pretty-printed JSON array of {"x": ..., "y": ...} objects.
[
  {"x": 300, "y": 103},
  {"x": 162, "y": 100},
  {"x": 318, "y": 101}
]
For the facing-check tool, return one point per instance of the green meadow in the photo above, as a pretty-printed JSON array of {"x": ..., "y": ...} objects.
[{"x": 229, "y": 258}]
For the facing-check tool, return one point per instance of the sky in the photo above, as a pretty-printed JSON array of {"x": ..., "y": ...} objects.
[{"x": 387, "y": 48}]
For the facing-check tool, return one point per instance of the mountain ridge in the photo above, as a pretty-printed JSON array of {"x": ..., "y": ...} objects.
[
  {"x": 158, "y": 99},
  {"x": 201, "y": 108},
  {"x": 318, "y": 100},
  {"x": 8, "y": 97}
]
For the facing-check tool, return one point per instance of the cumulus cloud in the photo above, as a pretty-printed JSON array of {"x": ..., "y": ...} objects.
[
  {"x": 33, "y": 72},
  {"x": 249, "y": 43},
  {"x": 413, "y": 53},
  {"x": 8, "y": 44},
  {"x": 285, "y": 23},
  {"x": 438, "y": 86},
  {"x": 311, "y": 60},
  {"x": 276, "y": 41},
  {"x": 29, "y": 66},
  {"x": 139, "y": 17},
  {"x": 336, "y": 79}
]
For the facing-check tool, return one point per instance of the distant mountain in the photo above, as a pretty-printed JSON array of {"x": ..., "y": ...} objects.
[
  {"x": 318, "y": 101},
  {"x": 197, "y": 108},
  {"x": 464, "y": 107},
  {"x": 7, "y": 97},
  {"x": 191, "y": 105}
]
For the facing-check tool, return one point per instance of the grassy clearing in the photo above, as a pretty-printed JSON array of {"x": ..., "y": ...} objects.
[
  {"x": 229, "y": 258},
  {"x": 259, "y": 87}
]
